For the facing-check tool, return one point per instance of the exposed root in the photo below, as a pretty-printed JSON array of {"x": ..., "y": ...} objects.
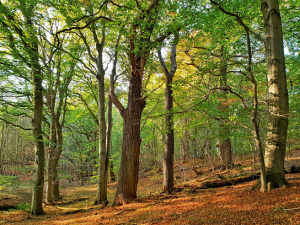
[{"x": 120, "y": 200}]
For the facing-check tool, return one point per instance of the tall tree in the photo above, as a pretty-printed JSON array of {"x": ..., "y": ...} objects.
[
  {"x": 113, "y": 79},
  {"x": 59, "y": 75},
  {"x": 140, "y": 34},
  {"x": 224, "y": 131},
  {"x": 278, "y": 102},
  {"x": 24, "y": 28},
  {"x": 168, "y": 158}
]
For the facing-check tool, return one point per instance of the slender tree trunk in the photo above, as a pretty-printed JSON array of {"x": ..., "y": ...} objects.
[
  {"x": 101, "y": 196},
  {"x": 112, "y": 173},
  {"x": 1, "y": 149},
  {"x": 56, "y": 157},
  {"x": 103, "y": 157},
  {"x": 113, "y": 78},
  {"x": 184, "y": 141},
  {"x": 109, "y": 128},
  {"x": 37, "y": 196},
  {"x": 52, "y": 146},
  {"x": 224, "y": 131},
  {"x": 279, "y": 105},
  {"x": 168, "y": 158},
  {"x": 49, "y": 189}
]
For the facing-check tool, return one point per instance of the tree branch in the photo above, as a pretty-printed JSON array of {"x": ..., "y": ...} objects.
[
  {"x": 15, "y": 125},
  {"x": 239, "y": 20},
  {"x": 117, "y": 103}
]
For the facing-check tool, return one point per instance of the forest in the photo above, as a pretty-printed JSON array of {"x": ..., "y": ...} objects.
[{"x": 149, "y": 112}]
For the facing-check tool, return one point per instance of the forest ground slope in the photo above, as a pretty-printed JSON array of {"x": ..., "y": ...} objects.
[{"x": 189, "y": 203}]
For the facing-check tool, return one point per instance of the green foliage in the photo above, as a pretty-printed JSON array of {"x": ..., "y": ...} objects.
[
  {"x": 23, "y": 206},
  {"x": 206, "y": 34},
  {"x": 9, "y": 181}
]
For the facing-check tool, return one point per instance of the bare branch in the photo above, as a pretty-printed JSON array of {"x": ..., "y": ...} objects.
[
  {"x": 85, "y": 26},
  {"x": 15, "y": 125}
]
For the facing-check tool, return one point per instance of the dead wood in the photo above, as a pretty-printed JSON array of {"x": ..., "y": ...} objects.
[
  {"x": 197, "y": 172},
  {"x": 72, "y": 201},
  {"x": 125, "y": 210},
  {"x": 7, "y": 207},
  {"x": 293, "y": 169},
  {"x": 75, "y": 211},
  {"x": 231, "y": 181},
  {"x": 292, "y": 209}
]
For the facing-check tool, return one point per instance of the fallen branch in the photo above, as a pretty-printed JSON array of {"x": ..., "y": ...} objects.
[
  {"x": 229, "y": 182},
  {"x": 197, "y": 172},
  {"x": 7, "y": 207},
  {"x": 125, "y": 210},
  {"x": 291, "y": 209},
  {"x": 72, "y": 201}
]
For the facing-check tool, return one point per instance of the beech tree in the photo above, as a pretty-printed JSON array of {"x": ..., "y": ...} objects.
[
  {"x": 168, "y": 158},
  {"x": 278, "y": 102},
  {"x": 139, "y": 35},
  {"x": 24, "y": 28},
  {"x": 58, "y": 78}
]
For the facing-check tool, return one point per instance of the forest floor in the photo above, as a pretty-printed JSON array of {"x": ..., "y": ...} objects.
[{"x": 189, "y": 203}]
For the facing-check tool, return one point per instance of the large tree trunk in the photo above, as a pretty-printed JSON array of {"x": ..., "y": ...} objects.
[
  {"x": 279, "y": 105},
  {"x": 129, "y": 168}
]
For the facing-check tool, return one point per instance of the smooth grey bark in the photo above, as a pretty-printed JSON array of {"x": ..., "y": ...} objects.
[
  {"x": 278, "y": 95},
  {"x": 101, "y": 196},
  {"x": 113, "y": 79},
  {"x": 254, "y": 118},
  {"x": 168, "y": 157}
]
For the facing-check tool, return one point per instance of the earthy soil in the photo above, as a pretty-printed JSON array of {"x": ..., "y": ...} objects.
[{"x": 235, "y": 204}]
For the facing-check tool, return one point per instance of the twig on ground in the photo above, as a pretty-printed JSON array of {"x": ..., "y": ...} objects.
[{"x": 125, "y": 210}]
